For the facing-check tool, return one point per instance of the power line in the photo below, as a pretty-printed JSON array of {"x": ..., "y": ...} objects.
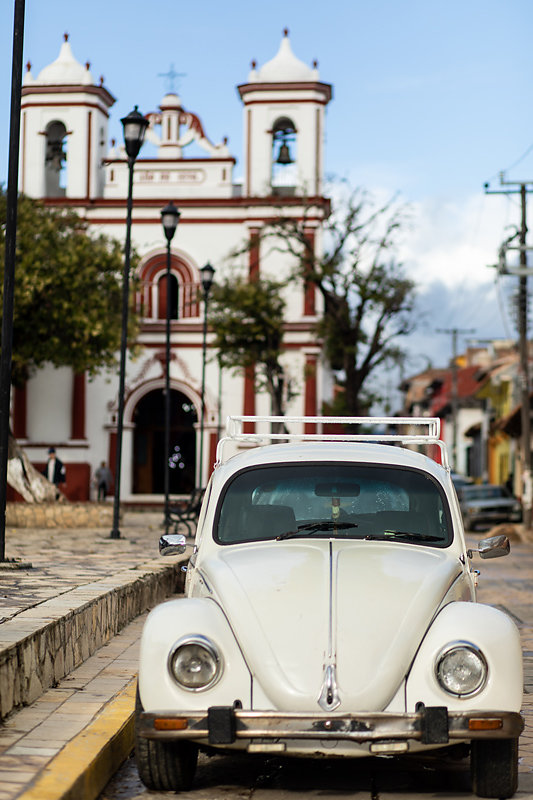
[
  {"x": 523, "y": 188},
  {"x": 514, "y": 164}
]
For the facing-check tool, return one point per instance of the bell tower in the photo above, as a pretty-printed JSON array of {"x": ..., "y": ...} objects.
[
  {"x": 64, "y": 117},
  {"x": 284, "y": 114}
]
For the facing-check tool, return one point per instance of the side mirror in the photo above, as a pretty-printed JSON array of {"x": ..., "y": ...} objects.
[
  {"x": 172, "y": 544},
  {"x": 493, "y": 547}
]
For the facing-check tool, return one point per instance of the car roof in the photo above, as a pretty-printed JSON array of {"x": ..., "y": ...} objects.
[{"x": 341, "y": 452}]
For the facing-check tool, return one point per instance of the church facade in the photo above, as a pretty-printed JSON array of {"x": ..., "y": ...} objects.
[{"x": 66, "y": 159}]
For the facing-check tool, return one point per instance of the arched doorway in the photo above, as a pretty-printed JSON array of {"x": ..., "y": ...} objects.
[{"x": 149, "y": 444}]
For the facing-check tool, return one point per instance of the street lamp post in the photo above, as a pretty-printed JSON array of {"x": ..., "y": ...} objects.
[
  {"x": 207, "y": 272},
  {"x": 134, "y": 129},
  {"x": 169, "y": 219},
  {"x": 6, "y": 350}
]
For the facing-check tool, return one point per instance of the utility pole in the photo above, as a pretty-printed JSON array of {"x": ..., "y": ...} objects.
[
  {"x": 521, "y": 188},
  {"x": 454, "y": 332}
]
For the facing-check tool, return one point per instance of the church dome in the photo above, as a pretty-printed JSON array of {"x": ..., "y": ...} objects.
[
  {"x": 65, "y": 70},
  {"x": 170, "y": 100},
  {"x": 284, "y": 67}
]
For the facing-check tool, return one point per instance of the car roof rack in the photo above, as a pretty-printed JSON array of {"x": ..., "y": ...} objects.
[{"x": 428, "y": 435}]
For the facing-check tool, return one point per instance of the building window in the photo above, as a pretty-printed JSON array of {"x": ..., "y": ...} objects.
[
  {"x": 152, "y": 294},
  {"x": 162, "y": 297}
]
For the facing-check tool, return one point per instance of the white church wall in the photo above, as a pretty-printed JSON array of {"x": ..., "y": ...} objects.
[
  {"x": 49, "y": 404},
  {"x": 183, "y": 179},
  {"x": 214, "y": 223},
  {"x": 100, "y": 391},
  {"x": 33, "y": 149},
  {"x": 259, "y": 120},
  {"x": 75, "y": 119}
]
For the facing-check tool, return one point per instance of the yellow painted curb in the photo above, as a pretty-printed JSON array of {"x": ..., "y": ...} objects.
[{"x": 84, "y": 766}]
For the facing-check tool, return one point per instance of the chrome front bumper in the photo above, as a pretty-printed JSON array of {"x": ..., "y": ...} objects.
[{"x": 223, "y": 725}]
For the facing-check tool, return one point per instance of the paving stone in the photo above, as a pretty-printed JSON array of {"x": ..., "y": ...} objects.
[{"x": 85, "y": 561}]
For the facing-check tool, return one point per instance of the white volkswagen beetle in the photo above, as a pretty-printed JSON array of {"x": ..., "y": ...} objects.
[{"x": 330, "y": 610}]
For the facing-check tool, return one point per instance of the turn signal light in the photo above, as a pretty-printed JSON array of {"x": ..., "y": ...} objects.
[
  {"x": 166, "y": 724},
  {"x": 484, "y": 724}
]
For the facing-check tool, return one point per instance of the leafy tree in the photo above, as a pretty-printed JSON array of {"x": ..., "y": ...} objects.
[
  {"x": 67, "y": 306},
  {"x": 247, "y": 318},
  {"x": 368, "y": 301},
  {"x": 68, "y": 295}
]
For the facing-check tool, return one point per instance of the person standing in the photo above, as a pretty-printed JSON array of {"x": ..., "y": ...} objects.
[
  {"x": 55, "y": 470},
  {"x": 103, "y": 480}
]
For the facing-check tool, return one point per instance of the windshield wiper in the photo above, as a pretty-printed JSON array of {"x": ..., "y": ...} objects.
[
  {"x": 326, "y": 525},
  {"x": 415, "y": 537}
]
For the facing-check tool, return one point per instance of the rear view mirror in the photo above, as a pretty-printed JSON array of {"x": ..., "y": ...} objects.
[
  {"x": 172, "y": 544},
  {"x": 492, "y": 547},
  {"x": 337, "y": 490}
]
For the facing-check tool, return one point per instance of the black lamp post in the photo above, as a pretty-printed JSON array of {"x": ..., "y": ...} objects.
[
  {"x": 6, "y": 350},
  {"x": 169, "y": 219},
  {"x": 134, "y": 129},
  {"x": 207, "y": 274}
]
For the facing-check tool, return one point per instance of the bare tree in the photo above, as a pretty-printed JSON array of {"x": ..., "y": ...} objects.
[{"x": 368, "y": 302}]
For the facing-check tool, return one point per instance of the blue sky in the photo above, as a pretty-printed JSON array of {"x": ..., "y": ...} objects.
[{"x": 431, "y": 99}]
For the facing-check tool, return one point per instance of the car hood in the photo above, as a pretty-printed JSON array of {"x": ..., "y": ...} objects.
[{"x": 359, "y": 608}]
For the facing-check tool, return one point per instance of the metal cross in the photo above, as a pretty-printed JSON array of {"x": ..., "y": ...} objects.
[{"x": 171, "y": 76}]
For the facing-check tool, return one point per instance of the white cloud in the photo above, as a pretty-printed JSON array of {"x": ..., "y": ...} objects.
[
  {"x": 446, "y": 251},
  {"x": 447, "y": 254},
  {"x": 454, "y": 241}
]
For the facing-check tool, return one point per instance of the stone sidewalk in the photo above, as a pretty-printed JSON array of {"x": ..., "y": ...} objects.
[
  {"x": 68, "y": 643},
  {"x": 82, "y": 589},
  {"x": 66, "y": 740}
]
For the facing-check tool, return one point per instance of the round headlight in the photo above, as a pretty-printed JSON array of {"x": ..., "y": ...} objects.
[
  {"x": 461, "y": 669},
  {"x": 195, "y": 663}
]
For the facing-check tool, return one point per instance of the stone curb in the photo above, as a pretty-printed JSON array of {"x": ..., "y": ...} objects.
[
  {"x": 85, "y": 765},
  {"x": 43, "y": 644},
  {"x": 59, "y": 515}
]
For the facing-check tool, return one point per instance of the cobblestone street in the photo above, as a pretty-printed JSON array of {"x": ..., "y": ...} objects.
[
  {"x": 508, "y": 584},
  {"x": 65, "y": 560}
]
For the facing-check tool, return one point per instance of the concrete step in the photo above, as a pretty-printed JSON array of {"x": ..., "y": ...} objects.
[
  {"x": 43, "y": 644},
  {"x": 82, "y": 588}
]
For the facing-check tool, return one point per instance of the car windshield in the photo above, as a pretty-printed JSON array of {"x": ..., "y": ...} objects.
[{"x": 333, "y": 500}]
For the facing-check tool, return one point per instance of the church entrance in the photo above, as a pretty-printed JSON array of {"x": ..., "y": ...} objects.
[{"x": 149, "y": 444}]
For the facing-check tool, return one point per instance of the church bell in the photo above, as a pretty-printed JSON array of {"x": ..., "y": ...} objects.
[{"x": 284, "y": 156}]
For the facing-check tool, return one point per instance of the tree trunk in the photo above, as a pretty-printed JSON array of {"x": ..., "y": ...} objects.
[
  {"x": 25, "y": 479},
  {"x": 275, "y": 383},
  {"x": 352, "y": 387}
]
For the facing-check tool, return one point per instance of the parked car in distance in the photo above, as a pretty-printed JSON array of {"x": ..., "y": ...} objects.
[
  {"x": 330, "y": 611},
  {"x": 487, "y": 504},
  {"x": 460, "y": 480}
]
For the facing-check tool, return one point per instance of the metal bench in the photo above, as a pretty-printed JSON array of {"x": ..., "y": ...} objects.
[{"x": 187, "y": 513}]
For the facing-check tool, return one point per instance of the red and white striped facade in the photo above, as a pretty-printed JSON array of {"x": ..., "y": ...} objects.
[{"x": 63, "y": 110}]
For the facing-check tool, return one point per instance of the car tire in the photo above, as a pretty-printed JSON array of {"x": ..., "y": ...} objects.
[
  {"x": 494, "y": 767},
  {"x": 164, "y": 766}
]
